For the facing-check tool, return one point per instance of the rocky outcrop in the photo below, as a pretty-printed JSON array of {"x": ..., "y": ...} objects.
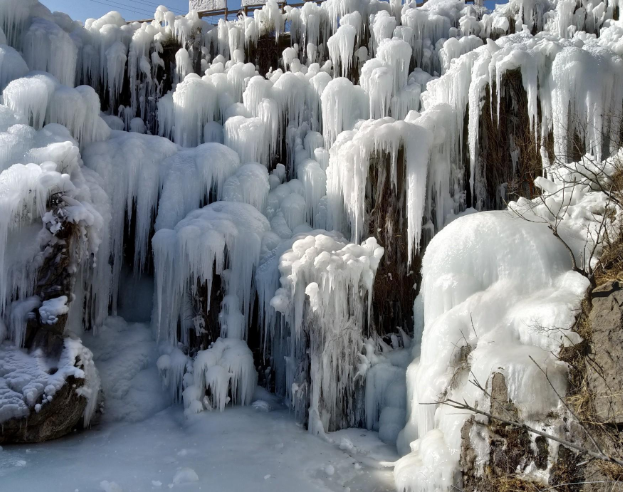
[
  {"x": 596, "y": 393},
  {"x": 55, "y": 279},
  {"x": 508, "y": 148},
  {"x": 395, "y": 281},
  {"x": 55, "y": 419},
  {"x": 55, "y": 412},
  {"x": 605, "y": 372},
  {"x": 511, "y": 450}
]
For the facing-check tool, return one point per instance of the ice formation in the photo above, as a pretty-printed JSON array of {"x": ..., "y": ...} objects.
[
  {"x": 226, "y": 368},
  {"x": 252, "y": 199},
  {"x": 37, "y": 165},
  {"x": 504, "y": 306},
  {"x": 125, "y": 355},
  {"x": 41, "y": 99},
  {"x": 221, "y": 236},
  {"x": 325, "y": 294}
]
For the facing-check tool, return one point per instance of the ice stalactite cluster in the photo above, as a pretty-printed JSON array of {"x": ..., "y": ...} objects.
[
  {"x": 35, "y": 166},
  {"x": 255, "y": 199},
  {"x": 129, "y": 168},
  {"x": 325, "y": 295},
  {"x": 107, "y": 53},
  {"x": 223, "y": 239},
  {"x": 348, "y": 169},
  {"x": 41, "y": 99},
  {"x": 545, "y": 62},
  {"x": 223, "y": 236},
  {"x": 501, "y": 305},
  {"x": 227, "y": 371}
]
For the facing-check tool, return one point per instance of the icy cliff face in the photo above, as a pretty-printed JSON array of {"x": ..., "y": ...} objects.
[{"x": 271, "y": 209}]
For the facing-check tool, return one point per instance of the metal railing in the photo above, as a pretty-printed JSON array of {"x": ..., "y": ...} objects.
[
  {"x": 246, "y": 9},
  {"x": 250, "y": 8}
]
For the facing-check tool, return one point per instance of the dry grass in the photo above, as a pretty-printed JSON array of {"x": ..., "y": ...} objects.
[
  {"x": 512, "y": 483},
  {"x": 502, "y": 135},
  {"x": 613, "y": 471},
  {"x": 611, "y": 263},
  {"x": 387, "y": 221},
  {"x": 579, "y": 395}
]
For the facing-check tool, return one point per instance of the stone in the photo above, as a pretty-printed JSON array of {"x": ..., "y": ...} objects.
[
  {"x": 55, "y": 419},
  {"x": 605, "y": 370}
]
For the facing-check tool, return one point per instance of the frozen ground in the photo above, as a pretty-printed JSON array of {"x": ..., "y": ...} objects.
[
  {"x": 241, "y": 449},
  {"x": 141, "y": 445}
]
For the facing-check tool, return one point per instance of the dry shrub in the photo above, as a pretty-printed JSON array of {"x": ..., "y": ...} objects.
[
  {"x": 500, "y": 136},
  {"x": 512, "y": 483},
  {"x": 611, "y": 263},
  {"x": 611, "y": 470}
]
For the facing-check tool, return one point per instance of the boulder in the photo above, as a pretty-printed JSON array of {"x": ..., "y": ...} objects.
[{"x": 55, "y": 419}]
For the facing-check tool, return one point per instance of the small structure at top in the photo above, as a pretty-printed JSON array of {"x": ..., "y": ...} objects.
[{"x": 202, "y": 5}]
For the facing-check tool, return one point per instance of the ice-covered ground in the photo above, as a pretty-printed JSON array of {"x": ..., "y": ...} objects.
[
  {"x": 140, "y": 443},
  {"x": 240, "y": 449}
]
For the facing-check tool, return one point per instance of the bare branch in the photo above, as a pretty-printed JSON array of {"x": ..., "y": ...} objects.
[
  {"x": 590, "y": 436},
  {"x": 465, "y": 406}
]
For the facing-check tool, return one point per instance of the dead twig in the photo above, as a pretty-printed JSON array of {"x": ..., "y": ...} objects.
[{"x": 465, "y": 406}]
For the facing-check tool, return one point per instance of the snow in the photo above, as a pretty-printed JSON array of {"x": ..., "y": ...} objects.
[
  {"x": 28, "y": 381},
  {"x": 107, "y": 486},
  {"x": 50, "y": 310},
  {"x": 185, "y": 475}
]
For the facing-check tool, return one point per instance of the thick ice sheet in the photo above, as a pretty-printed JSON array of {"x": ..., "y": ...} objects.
[{"x": 241, "y": 449}]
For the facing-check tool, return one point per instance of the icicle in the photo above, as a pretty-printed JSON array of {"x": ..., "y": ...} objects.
[
  {"x": 342, "y": 105},
  {"x": 48, "y": 48},
  {"x": 248, "y": 137},
  {"x": 190, "y": 177},
  {"x": 341, "y": 46},
  {"x": 227, "y": 365},
  {"x": 195, "y": 250},
  {"x": 325, "y": 284},
  {"x": 12, "y": 66}
]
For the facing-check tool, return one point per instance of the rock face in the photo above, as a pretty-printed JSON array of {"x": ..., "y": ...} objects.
[
  {"x": 510, "y": 449},
  {"x": 55, "y": 278},
  {"x": 605, "y": 374},
  {"x": 55, "y": 419}
]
